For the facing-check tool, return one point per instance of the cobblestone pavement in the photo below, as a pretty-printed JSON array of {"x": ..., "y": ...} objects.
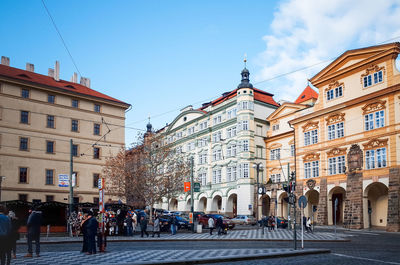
[{"x": 158, "y": 256}]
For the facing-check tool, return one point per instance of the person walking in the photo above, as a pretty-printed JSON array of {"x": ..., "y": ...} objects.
[
  {"x": 156, "y": 226},
  {"x": 305, "y": 223},
  {"x": 14, "y": 235},
  {"x": 143, "y": 226},
  {"x": 129, "y": 225},
  {"x": 174, "y": 225},
  {"x": 269, "y": 223},
  {"x": 33, "y": 224},
  {"x": 92, "y": 227},
  {"x": 220, "y": 225},
  {"x": 211, "y": 224},
  {"x": 84, "y": 223},
  {"x": 134, "y": 223},
  {"x": 308, "y": 225},
  {"x": 273, "y": 222},
  {"x": 5, "y": 230}
]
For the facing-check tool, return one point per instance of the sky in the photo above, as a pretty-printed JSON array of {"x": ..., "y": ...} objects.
[{"x": 160, "y": 56}]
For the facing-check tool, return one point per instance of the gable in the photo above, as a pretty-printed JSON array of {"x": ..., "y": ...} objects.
[
  {"x": 185, "y": 117},
  {"x": 285, "y": 109}
]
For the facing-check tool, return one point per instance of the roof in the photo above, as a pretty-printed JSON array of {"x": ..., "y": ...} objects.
[
  {"x": 308, "y": 93},
  {"x": 35, "y": 78},
  {"x": 259, "y": 95}
]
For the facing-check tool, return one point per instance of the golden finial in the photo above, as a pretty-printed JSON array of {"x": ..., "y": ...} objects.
[{"x": 245, "y": 60}]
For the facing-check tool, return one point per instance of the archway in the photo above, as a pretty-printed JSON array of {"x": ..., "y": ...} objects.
[
  {"x": 377, "y": 204},
  {"x": 188, "y": 205},
  {"x": 231, "y": 205},
  {"x": 202, "y": 206},
  {"x": 283, "y": 205},
  {"x": 340, "y": 194},
  {"x": 173, "y": 204},
  {"x": 216, "y": 204},
  {"x": 265, "y": 205},
  {"x": 312, "y": 200}
]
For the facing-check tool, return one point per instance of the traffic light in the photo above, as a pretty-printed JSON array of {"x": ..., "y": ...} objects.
[
  {"x": 292, "y": 186},
  {"x": 285, "y": 188}
]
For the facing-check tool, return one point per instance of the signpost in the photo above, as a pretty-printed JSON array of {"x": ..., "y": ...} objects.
[
  {"x": 336, "y": 205},
  {"x": 101, "y": 213},
  {"x": 302, "y": 205}
]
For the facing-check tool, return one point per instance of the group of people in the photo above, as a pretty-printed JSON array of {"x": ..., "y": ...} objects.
[
  {"x": 218, "y": 224},
  {"x": 9, "y": 234},
  {"x": 268, "y": 222}
]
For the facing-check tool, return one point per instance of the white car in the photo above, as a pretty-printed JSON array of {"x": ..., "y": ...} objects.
[{"x": 244, "y": 219}]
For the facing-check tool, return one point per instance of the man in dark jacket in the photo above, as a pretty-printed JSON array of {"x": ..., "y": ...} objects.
[
  {"x": 91, "y": 229},
  {"x": 33, "y": 225},
  {"x": 143, "y": 226},
  {"x": 220, "y": 225},
  {"x": 5, "y": 229}
]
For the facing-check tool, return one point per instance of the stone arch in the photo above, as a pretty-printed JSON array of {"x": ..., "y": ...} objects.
[
  {"x": 376, "y": 204},
  {"x": 231, "y": 205},
  {"x": 216, "y": 203},
  {"x": 312, "y": 199},
  {"x": 283, "y": 205},
  {"x": 188, "y": 205},
  {"x": 200, "y": 195},
  {"x": 202, "y": 204},
  {"x": 216, "y": 192},
  {"x": 338, "y": 193},
  {"x": 264, "y": 202},
  {"x": 173, "y": 204}
]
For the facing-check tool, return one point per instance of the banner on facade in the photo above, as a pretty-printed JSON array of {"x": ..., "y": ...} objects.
[{"x": 63, "y": 180}]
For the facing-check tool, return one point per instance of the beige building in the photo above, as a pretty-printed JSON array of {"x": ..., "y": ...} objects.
[
  {"x": 346, "y": 144},
  {"x": 39, "y": 116}
]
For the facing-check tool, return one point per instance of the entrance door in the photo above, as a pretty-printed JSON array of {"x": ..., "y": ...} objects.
[{"x": 339, "y": 219}]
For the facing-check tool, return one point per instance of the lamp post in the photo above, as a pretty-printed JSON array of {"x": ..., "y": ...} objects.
[
  {"x": 257, "y": 167},
  {"x": 1, "y": 180}
]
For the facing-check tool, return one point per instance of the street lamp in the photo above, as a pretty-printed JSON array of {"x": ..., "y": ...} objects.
[
  {"x": 258, "y": 167},
  {"x": 1, "y": 180}
]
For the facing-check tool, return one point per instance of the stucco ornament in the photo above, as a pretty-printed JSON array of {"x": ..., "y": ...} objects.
[
  {"x": 311, "y": 184},
  {"x": 354, "y": 158}
]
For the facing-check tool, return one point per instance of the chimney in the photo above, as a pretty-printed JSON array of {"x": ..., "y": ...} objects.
[
  {"x": 30, "y": 67},
  {"x": 51, "y": 72},
  {"x": 5, "y": 61},
  {"x": 57, "y": 71},
  {"x": 74, "y": 78},
  {"x": 85, "y": 81}
]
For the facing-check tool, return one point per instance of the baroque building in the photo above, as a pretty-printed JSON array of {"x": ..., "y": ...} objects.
[
  {"x": 225, "y": 137},
  {"x": 39, "y": 117}
]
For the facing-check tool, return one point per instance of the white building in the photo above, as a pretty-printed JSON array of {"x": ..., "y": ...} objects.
[{"x": 226, "y": 138}]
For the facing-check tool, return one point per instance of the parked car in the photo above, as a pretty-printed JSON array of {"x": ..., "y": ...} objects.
[
  {"x": 244, "y": 219},
  {"x": 203, "y": 220},
  {"x": 281, "y": 222},
  {"x": 183, "y": 223},
  {"x": 165, "y": 223}
]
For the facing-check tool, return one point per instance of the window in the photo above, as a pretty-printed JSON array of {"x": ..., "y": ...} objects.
[
  {"x": 374, "y": 120},
  {"x": 375, "y": 158},
  {"x": 75, "y": 103},
  {"x": 50, "y": 147},
  {"x": 23, "y": 197},
  {"x": 243, "y": 125},
  {"x": 96, "y": 178},
  {"x": 260, "y": 152},
  {"x": 275, "y": 178},
  {"x": 24, "y": 117},
  {"x": 25, "y": 93},
  {"x": 336, "y": 165},
  {"x": 368, "y": 81},
  {"x": 191, "y": 146},
  {"x": 259, "y": 130},
  {"x": 190, "y": 130},
  {"x": 217, "y": 178},
  {"x": 217, "y": 119},
  {"x": 96, "y": 129},
  {"x": 231, "y": 150},
  {"x": 50, "y": 121},
  {"x": 311, "y": 137},
  {"x": 74, "y": 125},
  {"x": 96, "y": 153},
  {"x": 232, "y": 113},
  {"x": 178, "y": 135},
  {"x": 335, "y": 131},
  {"x": 203, "y": 125},
  {"x": 49, "y": 198},
  {"x": 231, "y": 132},
  {"x": 245, "y": 105},
  {"x": 203, "y": 158},
  {"x": 245, "y": 145},
  {"x": 203, "y": 178},
  {"x": 51, "y": 99},
  {"x": 292, "y": 150},
  {"x": 217, "y": 137},
  {"x": 275, "y": 127},
  {"x": 244, "y": 170},
  {"x": 311, "y": 169},
  {"x": 23, "y": 144},
  {"x": 96, "y": 108},
  {"x": 231, "y": 173},
  {"x": 334, "y": 93},
  {"x": 23, "y": 175},
  {"x": 75, "y": 150},
  {"x": 275, "y": 154},
  {"x": 217, "y": 155},
  {"x": 49, "y": 176}
]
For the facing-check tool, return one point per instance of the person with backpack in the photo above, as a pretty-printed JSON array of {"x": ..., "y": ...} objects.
[
  {"x": 33, "y": 224},
  {"x": 5, "y": 230}
]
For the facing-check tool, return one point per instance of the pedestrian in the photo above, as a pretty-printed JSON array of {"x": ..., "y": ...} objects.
[
  {"x": 134, "y": 223},
  {"x": 211, "y": 224},
  {"x": 5, "y": 230},
  {"x": 220, "y": 225},
  {"x": 156, "y": 226},
  {"x": 143, "y": 226},
  {"x": 273, "y": 222},
  {"x": 174, "y": 225},
  {"x": 308, "y": 225},
  {"x": 84, "y": 233},
  {"x": 264, "y": 224},
  {"x": 33, "y": 224},
  {"x": 269, "y": 223},
  {"x": 129, "y": 225},
  {"x": 305, "y": 223},
  {"x": 92, "y": 227},
  {"x": 14, "y": 235}
]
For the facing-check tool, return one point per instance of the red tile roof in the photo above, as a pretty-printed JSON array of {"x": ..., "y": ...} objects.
[
  {"x": 35, "y": 78},
  {"x": 307, "y": 94}
]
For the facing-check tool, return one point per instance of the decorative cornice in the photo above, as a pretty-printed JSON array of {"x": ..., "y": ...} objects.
[
  {"x": 374, "y": 106},
  {"x": 274, "y": 146},
  {"x": 373, "y": 68},
  {"x": 291, "y": 142},
  {"x": 334, "y": 84},
  {"x": 309, "y": 126},
  {"x": 311, "y": 157},
  {"x": 376, "y": 143},
  {"x": 336, "y": 152},
  {"x": 335, "y": 118}
]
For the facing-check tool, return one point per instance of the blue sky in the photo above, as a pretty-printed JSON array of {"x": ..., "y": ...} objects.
[{"x": 161, "y": 56}]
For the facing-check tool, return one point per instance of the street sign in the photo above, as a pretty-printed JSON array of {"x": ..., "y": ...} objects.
[
  {"x": 186, "y": 186},
  {"x": 262, "y": 190},
  {"x": 196, "y": 186},
  {"x": 63, "y": 180},
  {"x": 73, "y": 180},
  {"x": 190, "y": 218},
  {"x": 302, "y": 201},
  {"x": 292, "y": 198}
]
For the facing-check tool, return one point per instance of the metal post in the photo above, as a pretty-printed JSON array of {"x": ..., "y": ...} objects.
[
  {"x": 71, "y": 191},
  {"x": 294, "y": 218},
  {"x": 191, "y": 191},
  {"x": 288, "y": 206},
  {"x": 258, "y": 186},
  {"x": 302, "y": 228},
  {"x": 336, "y": 204}
]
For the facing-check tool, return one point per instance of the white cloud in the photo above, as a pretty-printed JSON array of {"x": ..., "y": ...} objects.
[{"x": 305, "y": 32}]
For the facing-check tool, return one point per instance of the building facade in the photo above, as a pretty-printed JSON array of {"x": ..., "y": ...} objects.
[
  {"x": 346, "y": 144},
  {"x": 225, "y": 137},
  {"x": 39, "y": 116}
]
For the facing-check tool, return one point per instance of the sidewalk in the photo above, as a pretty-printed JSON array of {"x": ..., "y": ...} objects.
[
  {"x": 162, "y": 256},
  {"x": 234, "y": 235}
]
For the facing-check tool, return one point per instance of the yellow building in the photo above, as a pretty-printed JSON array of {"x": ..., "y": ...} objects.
[
  {"x": 347, "y": 143},
  {"x": 39, "y": 115}
]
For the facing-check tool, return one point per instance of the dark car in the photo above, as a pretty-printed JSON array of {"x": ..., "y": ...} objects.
[
  {"x": 281, "y": 221},
  {"x": 182, "y": 223},
  {"x": 165, "y": 223},
  {"x": 203, "y": 220}
]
